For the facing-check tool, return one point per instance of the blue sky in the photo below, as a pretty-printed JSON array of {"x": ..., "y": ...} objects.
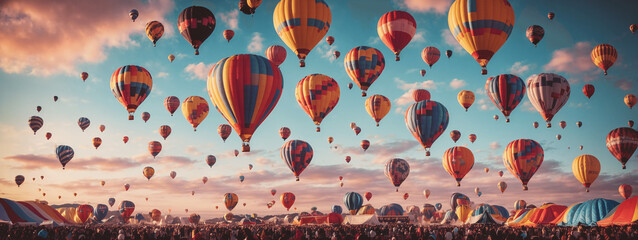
[{"x": 42, "y": 60}]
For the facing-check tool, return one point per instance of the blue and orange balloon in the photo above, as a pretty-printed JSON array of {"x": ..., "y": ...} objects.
[
  {"x": 297, "y": 155},
  {"x": 364, "y": 65},
  {"x": 256, "y": 84},
  {"x": 427, "y": 120},
  {"x": 131, "y": 85},
  {"x": 506, "y": 91}
]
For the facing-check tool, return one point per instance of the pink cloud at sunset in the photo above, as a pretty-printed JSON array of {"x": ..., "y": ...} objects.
[{"x": 42, "y": 38}]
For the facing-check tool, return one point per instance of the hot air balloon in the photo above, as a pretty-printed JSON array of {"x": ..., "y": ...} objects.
[
  {"x": 455, "y": 135},
  {"x": 548, "y": 93},
  {"x": 377, "y": 107},
  {"x": 562, "y": 124},
  {"x": 476, "y": 190},
  {"x": 472, "y": 137},
  {"x": 236, "y": 152},
  {"x": 83, "y": 212},
  {"x": 535, "y": 124},
  {"x": 406, "y": 196},
  {"x": 55, "y": 98},
  {"x": 365, "y": 144},
  {"x": 448, "y": 53},
  {"x": 486, "y": 170},
  {"x": 336, "y": 54},
  {"x": 458, "y": 161},
  {"x": 276, "y": 54},
  {"x": 522, "y": 158},
  {"x": 502, "y": 186},
  {"x": 84, "y": 76},
  {"x": 287, "y": 199},
  {"x": 330, "y": 140},
  {"x": 301, "y": 24},
  {"x": 241, "y": 178},
  {"x": 551, "y": 15},
  {"x": 364, "y": 65},
  {"x": 604, "y": 56},
  {"x": 210, "y": 160},
  {"x": 350, "y": 85},
  {"x": 297, "y": 155},
  {"x": 125, "y": 139},
  {"x": 224, "y": 131},
  {"x": 630, "y": 123},
  {"x": 581, "y": 147},
  {"x": 154, "y": 147},
  {"x": 397, "y": 170},
  {"x": 625, "y": 191},
  {"x": 126, "y": 209},
  {"x": 65, "y": 154},
  {"x": 396, "y": 29},
  {"x": 126, "y": 186},
  {"x": 357, "y": 130},
  {"x": 348, "y": 159},
  {"x": 465, "y": 98},
  {"x": 195, "y": 110},
  {"x": 146, "y": 116},
  {"x": 426, "y": 120},
  {"x": 130, "y": 85},
  {"x": 633, "y": 28},
  {"x": 422, "y": 72},
  {"x": 173, "y": 174},
  {"x": 273, "y": 192},
  {"x": 171, "y": 103},
  {"x": 230, "y": 200},
  {"x": 438, "y": 206},
  {"x": 259, "y": 90},
  {"x": 204, "y": 180},
  {"x": 102, "y": 183},
  {"x": 19, "y": 180},
  {"x": 589, "y": 90},
  {"x": 622, "y": 143},
  {"x": 228, "y": 34},
  {"x": 35, "y": 123},
  {"x": 171, "y": 57},
  {"x": 97, "y": 142},
  {"x": 156, "y": 215},
  {"x": 481, "y": 27},
  {"x": 430, "y": 55},
  {"x": 500, "y": 173},
  {"x": 154, "y": 31},
  {"x": 520, "y": 204},
  {"x": 586, "y": 169},
  {"x": 535, "y": 34},
  {"x": 100, "y": 212},
  {"x": 133, "y": 14},
  {"x": 228, "y": 216},
  {"x": 102, "y": 128},
  {"x": 426, "y": 193},
  {"x": 353, "y": 201},
  {"x": 165, "y": 131},
  {"x": 330, "y": 40},
  {"x": 192, "y": 193},
  {"x": 284, "y": 132},
  {"x": 148, "y": 172},
  {"x": 84, "y": 123},
  {"x": 196, "y": 23},
  {"x": 420, "y": 95},
  {"x": 630, "y": 100},
  {"x": 341, "y": 184},
  {"x": 38, "y": 108},
  {"x": 368, "y": 196},
  {"x": 459, "y": 199},
  {"x": 506, "y": 91},
  {"x": 317, "y": 95}
]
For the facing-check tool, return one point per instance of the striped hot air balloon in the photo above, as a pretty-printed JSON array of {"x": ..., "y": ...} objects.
[
  {"x": 131, "y": 85},
  {"x": 523, "y": 157},
  {"x": 317, "y": 95},
  {"x": 604, "y": 56},
  {"x": 301, "y": 24},
  {"x": 297, "y": 155},
  {"x": 64, "y": 154},
  {"x": 377, "y": 107},
  {"x": 506, "y": 91},
  {"x": 35, "y": 123},
  {"x": 481, "y": 27},
  {"x": 257, "y": 84},
  {"x": 396, "y": 29}
]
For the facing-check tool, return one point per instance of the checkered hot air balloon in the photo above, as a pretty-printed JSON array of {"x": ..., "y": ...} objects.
[
  {"x": 297, "y": 155},
  {"x": 131, "y": 85},
  {"x": 523, "y": 157},
  {"x": 317, "y": 95}
]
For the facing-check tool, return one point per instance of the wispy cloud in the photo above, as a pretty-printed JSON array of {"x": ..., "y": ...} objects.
[
  {"x": 519, "y": 68},
  {"x": 457, "y": 83},
  {"x": 449, "y": 40},
  {"x": 437, "y": 6},
  {"x": 90, "y": 32},
  {"x": 198, "y": 71},
  {"x": 230, "y": 19},
  {"x": 162, "y": 74},
  {"x": 256, "y": 43},
  {"x": 573, "y": 60}
]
